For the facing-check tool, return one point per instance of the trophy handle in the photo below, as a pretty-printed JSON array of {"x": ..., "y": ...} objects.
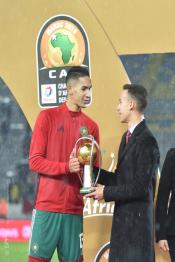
[{"x": 99, "y": 160}]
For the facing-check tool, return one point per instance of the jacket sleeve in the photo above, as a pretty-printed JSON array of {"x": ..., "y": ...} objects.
[
  {"x": 164, "y": 195},
  {"x": 105, "y": 178},
  {"x": 37, "y": 156},
  {"x": 146, "y": 165}
]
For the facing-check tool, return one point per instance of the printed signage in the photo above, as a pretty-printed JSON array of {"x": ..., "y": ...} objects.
[{"x": 62, "y": 43}]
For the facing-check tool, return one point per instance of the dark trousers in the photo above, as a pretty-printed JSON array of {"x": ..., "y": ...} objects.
[{"x": 171, "y": 243}]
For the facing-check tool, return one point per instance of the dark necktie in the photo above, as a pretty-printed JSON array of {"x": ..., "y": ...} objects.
[{"x": 128, "y": 135}]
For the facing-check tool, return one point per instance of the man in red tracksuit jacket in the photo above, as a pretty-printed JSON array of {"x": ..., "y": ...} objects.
[{"x": 57, "y": 218}]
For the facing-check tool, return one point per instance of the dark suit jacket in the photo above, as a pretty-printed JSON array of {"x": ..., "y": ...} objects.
[
  {"x": 131, "y": 187},
  {"x": 165, "y": 213}
]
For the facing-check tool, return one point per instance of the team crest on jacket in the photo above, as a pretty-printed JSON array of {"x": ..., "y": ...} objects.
[{"x": 84, "y": 131}]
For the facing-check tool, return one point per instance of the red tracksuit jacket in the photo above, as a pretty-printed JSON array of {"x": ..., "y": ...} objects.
[{"x": 55, "y": 134}]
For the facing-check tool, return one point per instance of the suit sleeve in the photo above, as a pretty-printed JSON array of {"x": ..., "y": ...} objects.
[
  {"x": 105, "y": 178},
  {"x": 164, "y": 194},
  {"x": 147, "y": 162},
  {"x": 37, "y": 157}
]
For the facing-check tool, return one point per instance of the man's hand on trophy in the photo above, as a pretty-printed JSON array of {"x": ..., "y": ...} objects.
[
  {"x": 97, "y": 192},
  {"x": 74, "y": 165}
]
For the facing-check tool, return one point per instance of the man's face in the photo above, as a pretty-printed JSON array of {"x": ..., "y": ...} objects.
[
  {"x": 80, "y": 91},
  {"x": 124, "y": 106}
]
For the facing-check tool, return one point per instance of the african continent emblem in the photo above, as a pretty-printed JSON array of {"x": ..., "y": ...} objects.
[{"x": 63, "y": 47}]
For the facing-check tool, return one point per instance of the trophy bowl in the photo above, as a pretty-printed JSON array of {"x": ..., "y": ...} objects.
[{"x": 84, "y": 154}]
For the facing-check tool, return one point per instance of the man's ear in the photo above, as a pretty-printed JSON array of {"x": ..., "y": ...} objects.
[
  {"x": 69, "y": 89},
  {"x": 132, "y": 104}
]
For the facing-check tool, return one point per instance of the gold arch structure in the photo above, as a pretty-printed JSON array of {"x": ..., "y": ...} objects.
[{"x": 114, "y": 27}]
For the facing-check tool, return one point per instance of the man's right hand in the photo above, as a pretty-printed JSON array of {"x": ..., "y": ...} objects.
[
  {"x": 163, "y": 245},
  {"x": 74, "y": 165}
]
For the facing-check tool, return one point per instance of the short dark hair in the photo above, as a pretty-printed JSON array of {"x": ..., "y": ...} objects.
[
  {"x": 139, "y": 93},
  {"x": 76, "y": 72}
]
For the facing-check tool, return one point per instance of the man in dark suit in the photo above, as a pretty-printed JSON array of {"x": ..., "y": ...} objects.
[
  {"x": 131, "y": 186},
  {"x": 165, "y": 208}
]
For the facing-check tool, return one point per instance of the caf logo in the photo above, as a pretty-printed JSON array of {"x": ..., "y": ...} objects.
[
  {"x": 103, "y": 254},
  {"x": 62, "y": 44}
]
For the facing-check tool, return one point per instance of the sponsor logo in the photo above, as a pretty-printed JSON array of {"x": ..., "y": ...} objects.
[
  {"x": 48, "y": 93},
  {"x": 62, "y": 43},
  {"x": 60, "y": 129},
  {"x": 15, "y": 230},
  {"x": 94, "y": 208}
]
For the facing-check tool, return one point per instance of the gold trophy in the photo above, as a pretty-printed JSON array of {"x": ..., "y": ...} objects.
[{"x": 85, "y": 150}]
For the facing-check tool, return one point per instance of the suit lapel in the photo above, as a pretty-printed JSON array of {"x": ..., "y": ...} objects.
[
  {"x": 122, "y": 146},
  {"x": 125, "y": 148}
]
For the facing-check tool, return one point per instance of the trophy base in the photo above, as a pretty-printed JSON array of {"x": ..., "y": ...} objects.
[{"x": 85, "y": 190}]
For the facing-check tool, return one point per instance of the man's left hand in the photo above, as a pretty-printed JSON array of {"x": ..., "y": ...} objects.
[{"x": 97, "y": 192}]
